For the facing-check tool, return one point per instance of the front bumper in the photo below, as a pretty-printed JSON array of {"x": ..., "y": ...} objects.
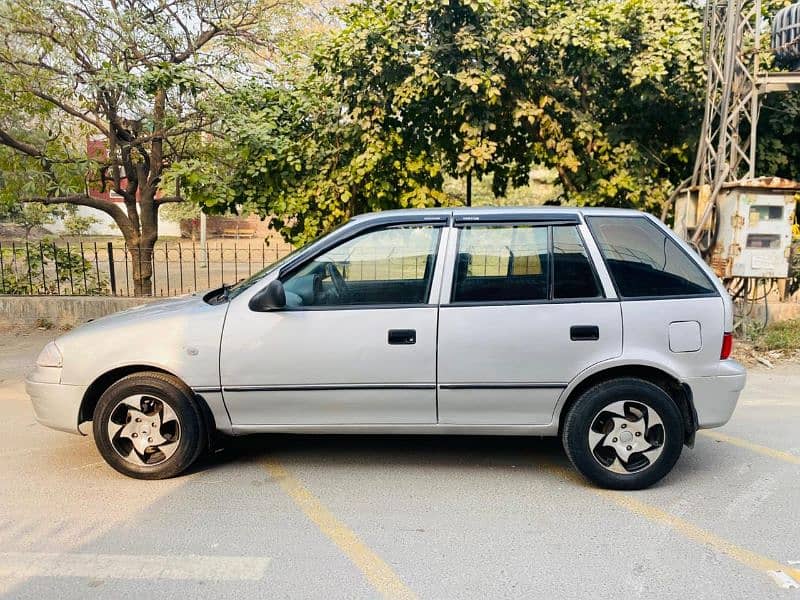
[
  {"x": 55, "y": 405},
  {"x": 715, "y": 397}
]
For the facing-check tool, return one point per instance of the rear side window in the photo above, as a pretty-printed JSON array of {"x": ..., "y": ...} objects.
[
  {"x": 504, "y": 263},
  {"x": 573, "y": 275},
  {"x": 645, "y": 262}
]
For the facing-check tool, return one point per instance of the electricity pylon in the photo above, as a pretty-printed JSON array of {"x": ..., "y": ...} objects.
[{"x": 726, "y": 153}]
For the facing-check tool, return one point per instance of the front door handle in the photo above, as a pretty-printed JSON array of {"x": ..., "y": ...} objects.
[
  {"x": 402, "y": 336},
  {"x": 584, "y": 333}
]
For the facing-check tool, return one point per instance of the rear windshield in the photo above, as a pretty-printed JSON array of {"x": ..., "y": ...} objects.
[{"x": 644, "y": 262}]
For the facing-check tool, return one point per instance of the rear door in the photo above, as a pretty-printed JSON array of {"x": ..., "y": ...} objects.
[
  {"x": 525, "y": 312},
  {"x": 673, "y": 311}
]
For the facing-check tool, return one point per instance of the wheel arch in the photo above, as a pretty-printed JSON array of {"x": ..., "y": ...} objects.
[
  {"x": 102, "y": 382},
  {"x": 680, "y": 392}
]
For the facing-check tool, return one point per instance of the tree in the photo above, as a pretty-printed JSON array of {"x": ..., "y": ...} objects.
[
  {"x": 289, "y": 155},
  {"x": 608, "y": 93},
  {"x": 778, "y": 152},
  {"x": 78, "y": 225},
  {"x": 136, "y": 74}
]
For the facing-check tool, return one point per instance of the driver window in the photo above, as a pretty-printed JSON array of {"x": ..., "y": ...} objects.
[{"x": 385, "y": 266}]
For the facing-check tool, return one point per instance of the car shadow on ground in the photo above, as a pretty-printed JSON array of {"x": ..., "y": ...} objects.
[
  {"x": 388, "y": 450},
  {"x": 460, "y": 454}
]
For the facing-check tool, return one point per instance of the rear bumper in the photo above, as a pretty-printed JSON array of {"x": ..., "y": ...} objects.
[
  {"x": 55, "y": 405},
  {"x": 715, "y": 397}
]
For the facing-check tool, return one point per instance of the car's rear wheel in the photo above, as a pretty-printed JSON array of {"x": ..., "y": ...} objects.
[
  {"x": 624, "y": 434},
  {"x": 148, "y": 426}
]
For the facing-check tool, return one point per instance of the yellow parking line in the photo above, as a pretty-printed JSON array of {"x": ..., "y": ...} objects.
[
  {"x": 652, "y": 513},
  {"x": 379, "y": 574},
  {"x": 765, "y": 450}
]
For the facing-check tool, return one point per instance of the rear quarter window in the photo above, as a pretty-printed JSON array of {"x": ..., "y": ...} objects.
[{"x": 644, "y": 262}]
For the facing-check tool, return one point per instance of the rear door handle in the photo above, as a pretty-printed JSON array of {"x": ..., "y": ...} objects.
[
  {"x": 402, "y": 336},
  {"x": 584, "y": 333}
]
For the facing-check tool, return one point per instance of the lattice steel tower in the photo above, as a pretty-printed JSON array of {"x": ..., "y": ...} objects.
[{"x": 726, "y": 153}]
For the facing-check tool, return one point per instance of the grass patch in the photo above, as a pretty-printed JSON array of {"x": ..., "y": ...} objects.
[{"x": 784, "y": 335}]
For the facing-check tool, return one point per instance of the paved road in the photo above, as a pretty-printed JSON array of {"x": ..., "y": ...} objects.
[{"x": 365, "y": 517}]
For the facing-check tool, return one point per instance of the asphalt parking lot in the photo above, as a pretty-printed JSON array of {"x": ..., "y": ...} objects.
[{"x": 427, "y": 517}]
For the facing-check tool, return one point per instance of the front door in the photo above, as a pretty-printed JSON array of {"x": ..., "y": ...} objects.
[
  {"x": 356, "y": 343},
  {"x": 525, "y": 315}
]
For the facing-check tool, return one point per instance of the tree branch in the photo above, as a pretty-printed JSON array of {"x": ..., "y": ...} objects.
[
  {"x": 111, "y": 209},
  {"x": 70, "y": 110},
  {"x": 7, "y": 140}
]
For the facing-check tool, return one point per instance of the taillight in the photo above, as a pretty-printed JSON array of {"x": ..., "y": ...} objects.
[{"x": 727, "y": 346}]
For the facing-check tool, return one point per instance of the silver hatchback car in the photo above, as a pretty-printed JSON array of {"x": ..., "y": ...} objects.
[{"x": 596, "y": 325}]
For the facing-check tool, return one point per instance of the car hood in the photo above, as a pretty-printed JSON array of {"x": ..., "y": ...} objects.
[{"x": 149, "y": 310}]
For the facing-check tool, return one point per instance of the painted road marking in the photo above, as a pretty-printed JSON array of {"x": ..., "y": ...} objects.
[
  {"x": 128, "y": 566},
  {"x": 766, "y": 451},
  {"x": 741, "y": 555},
  {"x": 374, "y": 568},
  {"x": 783, "y": 580}
]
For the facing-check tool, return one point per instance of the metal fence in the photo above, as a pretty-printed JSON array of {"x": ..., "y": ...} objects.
[{"x": 106, "y": 268}]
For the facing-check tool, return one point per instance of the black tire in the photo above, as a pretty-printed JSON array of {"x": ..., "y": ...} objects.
[
  {"x": 591, "y": 404},
  {"x": 192, "y": 436}
]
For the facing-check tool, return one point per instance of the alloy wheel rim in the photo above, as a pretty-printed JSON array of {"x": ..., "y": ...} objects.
[
  {"x": 626, "y": 437},
  {"x": 144, "y": 430}
]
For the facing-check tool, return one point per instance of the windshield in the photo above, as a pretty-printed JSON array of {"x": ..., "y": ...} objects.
[{"x": 239, "y": 287}]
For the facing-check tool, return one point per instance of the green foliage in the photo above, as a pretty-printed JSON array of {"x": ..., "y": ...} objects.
[
  {"x": 778, "y": 150},
  {"x": 30, "y": 216},
  {"x": 78, "y": 225},
  {"x": 542, "y": 187},
  {"x": 44, "y": 268},
  {"x": 290, "y": 157},
  {"x": 607, "y": 93},
  {"x": 178, "y": 211},
  {"x": 411, "y": 93},
  {"x": 783, "y": 335}
]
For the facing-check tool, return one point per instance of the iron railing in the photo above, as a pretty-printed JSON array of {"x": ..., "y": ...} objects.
[{"x": 106, "y": 268}]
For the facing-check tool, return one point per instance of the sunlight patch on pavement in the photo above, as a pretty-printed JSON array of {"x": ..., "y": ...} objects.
[{"x": 128, "y": 566}]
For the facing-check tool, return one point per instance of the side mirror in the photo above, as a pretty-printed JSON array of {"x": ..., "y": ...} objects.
[{"x": 272, "y": 297}]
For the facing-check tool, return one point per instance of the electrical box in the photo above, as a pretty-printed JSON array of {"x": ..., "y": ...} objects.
[{"x": 753, "y": 224}]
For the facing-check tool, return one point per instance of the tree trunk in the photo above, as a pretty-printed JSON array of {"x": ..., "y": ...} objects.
[
  {"x": 469, "y": 188},
  {"x": 142, "y": 261},
  {"x": 143, "y": 237}
]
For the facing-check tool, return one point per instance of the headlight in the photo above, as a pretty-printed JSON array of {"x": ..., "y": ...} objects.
[{"x": 50, "y": 356}]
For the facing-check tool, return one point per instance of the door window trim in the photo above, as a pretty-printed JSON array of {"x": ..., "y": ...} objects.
[{"x": 550, "y": 222}]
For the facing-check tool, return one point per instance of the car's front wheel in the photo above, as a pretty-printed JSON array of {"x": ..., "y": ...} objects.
[
  {"x": 148, "y": 426},
  {"x": 624, "y": 434}
]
